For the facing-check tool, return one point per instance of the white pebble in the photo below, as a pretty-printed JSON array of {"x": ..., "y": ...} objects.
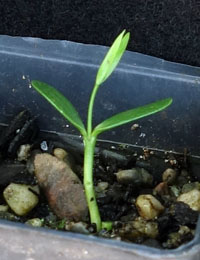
[
  {"x": 191, "y": 198},
  {"x": 24, "y": 152},
  {"x": 148, "y": 206},
  {"x": 59, "y": 153},
  {"x": 20, "y": 198}
]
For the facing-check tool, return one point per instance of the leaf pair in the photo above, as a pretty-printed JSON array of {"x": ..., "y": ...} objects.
[
  {"x": 65, "y": 108},
  {"x": 108, "y": 65}
]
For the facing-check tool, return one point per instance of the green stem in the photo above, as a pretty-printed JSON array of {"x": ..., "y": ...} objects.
[
  {"x": 90, "y": 109},
  {"x": 88, "y": 181}
]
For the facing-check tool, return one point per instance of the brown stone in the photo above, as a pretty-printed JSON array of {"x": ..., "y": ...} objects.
[
  {"x": 161, "y": 189},
  {"x": 63, "y": 189}
]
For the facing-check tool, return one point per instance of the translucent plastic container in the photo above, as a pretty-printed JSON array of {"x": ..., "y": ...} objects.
[{"x": 139, "y": 79}]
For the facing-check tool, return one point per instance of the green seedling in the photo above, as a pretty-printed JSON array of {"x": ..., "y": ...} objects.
[{"x": 90, "y": 134}]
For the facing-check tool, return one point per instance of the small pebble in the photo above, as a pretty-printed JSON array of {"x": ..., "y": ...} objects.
[
  {"x": 102, "y": 186},
  {"x": 175, "y": 191},
  {"x": 3, "y": 208},
  {"x": 148, "y": 206},
  {"x": 64, "y": 156},
  {"x": 137, "y": 176},
  {"x": 34, "y": 222},
  {"x": 44, "y": 146},
  {"x": 78, "y": 227},
  {"x": 147, "y": 228},
  {"x": 135, "y": 127},
  {"x": 24, "y": 152},
  {"x": 20, "y": 198},
  {"x": 191, "y": 198},
  {"x": 59, "y": 153},
  {"x": 190, "y": 186},
  {"x": 169, "y": 176},
  {"x": 138, "y": 228},
  {"x": 62, "y": 187},
  {"x": 161, "y": 189}
]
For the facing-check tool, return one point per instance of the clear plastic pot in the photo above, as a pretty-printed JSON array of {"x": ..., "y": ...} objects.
[{"x": 139, "y": 79}]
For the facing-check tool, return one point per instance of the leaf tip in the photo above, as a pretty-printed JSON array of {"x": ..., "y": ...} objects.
[
  {"x": 127, "y": 34},
  {"x": 123, "y": 32},
  {"x": 35, "y": 83},
  {"x": 169, "y": 101}
]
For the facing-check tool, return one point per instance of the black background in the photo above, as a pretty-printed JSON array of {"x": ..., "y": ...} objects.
[{"x": 169, "y": 29}]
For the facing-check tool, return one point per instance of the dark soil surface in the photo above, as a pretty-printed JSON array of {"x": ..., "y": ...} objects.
[{"x": 166, "y": 29}]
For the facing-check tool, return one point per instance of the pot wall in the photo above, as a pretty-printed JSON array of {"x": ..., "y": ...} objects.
[{"x": 138, "y": 80}]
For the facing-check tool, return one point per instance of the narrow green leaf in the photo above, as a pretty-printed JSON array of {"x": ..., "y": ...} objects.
[
  {"x": 61, "y": 103},
  {"x": 132, "y": 114},
  {"x": 112, "y": 57}
]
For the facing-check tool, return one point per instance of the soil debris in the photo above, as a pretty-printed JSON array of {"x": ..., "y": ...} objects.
[
  {"x": 183, "y": 235},
  {"x": 22, "y": 130},
  {"x": 183, "y": 214}
]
